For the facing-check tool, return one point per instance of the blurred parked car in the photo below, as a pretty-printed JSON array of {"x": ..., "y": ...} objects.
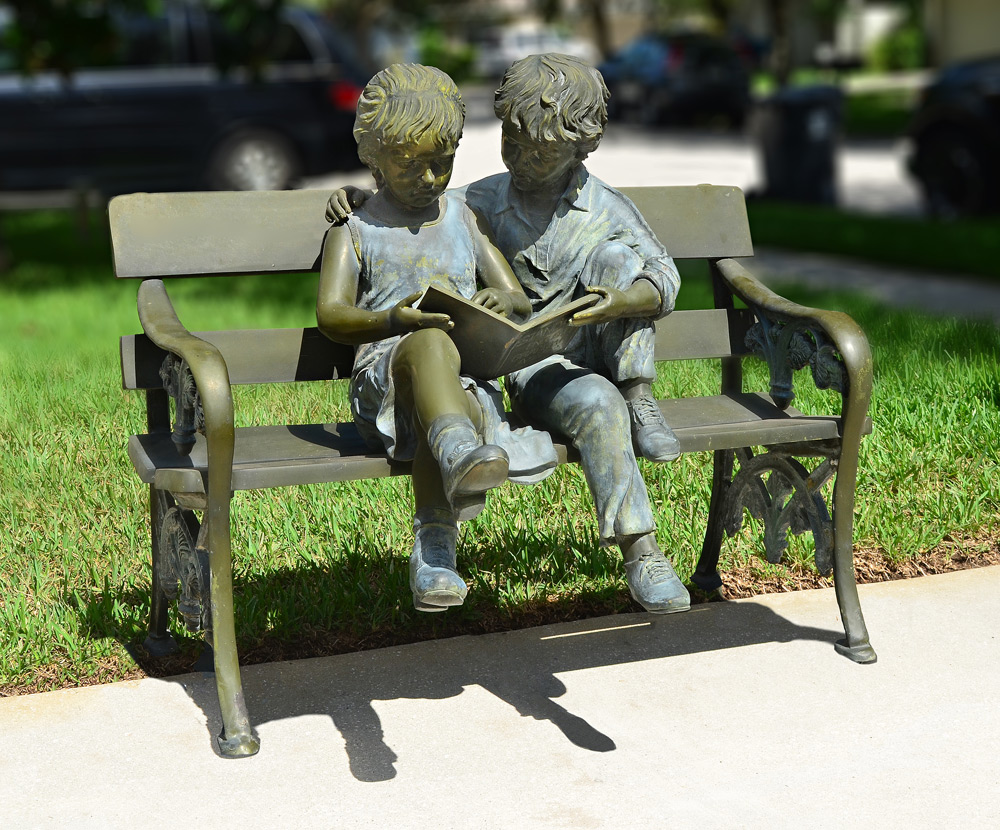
[
  {"x": 660, "y": 77},
  {"x": 498, "y": 47},
  {"x": 164, "y": 117},
  {"x": 954, "y": 140}
]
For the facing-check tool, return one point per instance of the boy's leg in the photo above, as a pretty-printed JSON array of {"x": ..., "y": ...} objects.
[
  {"x": 589, "y": 410},
  {"x": 623, "y": 349}
]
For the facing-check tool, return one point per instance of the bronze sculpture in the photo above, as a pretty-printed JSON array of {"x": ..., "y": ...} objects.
[{"x": 565, "y": 234}]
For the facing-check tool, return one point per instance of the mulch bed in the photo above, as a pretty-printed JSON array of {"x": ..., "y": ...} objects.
[{"x": 869, "y": 566}]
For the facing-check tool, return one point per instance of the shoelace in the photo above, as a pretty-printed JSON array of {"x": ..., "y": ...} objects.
[
  {"x": 656, "y": 566},
  {"x": 646, "y": 411}
]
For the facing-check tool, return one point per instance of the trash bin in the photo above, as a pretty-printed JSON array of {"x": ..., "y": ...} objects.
[{"x": 798, "y": 130}]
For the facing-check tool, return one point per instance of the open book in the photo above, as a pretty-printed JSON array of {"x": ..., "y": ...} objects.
[{"x": 491, "y": 345}]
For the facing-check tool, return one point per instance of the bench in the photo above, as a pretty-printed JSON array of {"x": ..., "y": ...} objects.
[{"x": 195, "y": 460}]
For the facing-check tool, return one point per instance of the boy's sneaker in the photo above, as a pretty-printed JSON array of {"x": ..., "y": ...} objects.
[
  {"x": 651, "y": 436},
  {"x": 654, "y": 585}
]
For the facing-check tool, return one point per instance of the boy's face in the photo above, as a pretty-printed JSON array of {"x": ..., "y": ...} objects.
[
  {"x": 534, "y": 165},
  {"x": 416, "y": 173}
]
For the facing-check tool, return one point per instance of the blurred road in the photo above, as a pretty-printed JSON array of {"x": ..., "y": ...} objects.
[{"x": 871, "y": 174}]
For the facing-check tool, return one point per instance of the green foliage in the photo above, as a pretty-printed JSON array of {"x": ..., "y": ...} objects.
[
  {"x": 900, "y": 50},
  {"x": 66, "y": 35},
  {"x": 455, "y": 59},
  {"x": 325, "y": 567}
]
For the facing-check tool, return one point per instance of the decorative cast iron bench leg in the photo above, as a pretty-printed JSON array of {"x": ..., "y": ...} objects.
[
  {"x": 159, "y": 642},
  {"x": 706, "y": 574}
]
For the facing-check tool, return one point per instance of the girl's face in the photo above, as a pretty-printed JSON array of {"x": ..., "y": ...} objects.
[{"x": 416, "y": 173}]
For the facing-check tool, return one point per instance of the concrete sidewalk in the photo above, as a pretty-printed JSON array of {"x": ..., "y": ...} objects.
[{"x": 736, "y": 714}]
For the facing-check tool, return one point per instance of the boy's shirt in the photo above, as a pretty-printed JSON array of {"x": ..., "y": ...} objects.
[{"x": 548, "y": 255}]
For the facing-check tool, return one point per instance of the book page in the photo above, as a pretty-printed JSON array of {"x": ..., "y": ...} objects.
[{"x": 492, "y": 345}]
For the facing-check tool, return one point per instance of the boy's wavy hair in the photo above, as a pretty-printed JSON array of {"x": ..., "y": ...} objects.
[
  {"x": 404, "y": 101},
  {"x": 554, "y": 98}
]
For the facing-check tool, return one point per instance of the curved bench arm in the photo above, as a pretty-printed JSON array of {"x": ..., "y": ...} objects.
[
  {"x": 789, "y": 336},
  {"x": 211, "y": 377},
  {"x": 161, "y": 325}
]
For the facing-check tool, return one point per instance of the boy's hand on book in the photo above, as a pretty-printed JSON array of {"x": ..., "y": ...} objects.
[
  {"x": 404, "y": 318},
  {"x": 641, "y": 299},
  {"x": 342, "y": 202},
  {"x": 612, "y": 304},
  {"x": 495, "y": 300}
]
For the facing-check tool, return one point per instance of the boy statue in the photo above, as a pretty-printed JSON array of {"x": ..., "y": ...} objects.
[{"x": 566, "y": 233}]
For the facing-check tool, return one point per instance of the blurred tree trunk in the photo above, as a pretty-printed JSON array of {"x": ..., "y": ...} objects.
[
  {"x": 598, "y": 14},
  {"x": 781, "y": 52}
]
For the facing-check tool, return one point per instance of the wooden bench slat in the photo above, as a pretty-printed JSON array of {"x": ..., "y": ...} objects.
[
  {"x": 288, "y": 355},
  {"x": 272, "y": 456},
  {"x": 217, "y": 233},
  {"x": 213, "y": 234},
  {"x": 703, "y": 333},
  {"x": 701, "y": 222}
]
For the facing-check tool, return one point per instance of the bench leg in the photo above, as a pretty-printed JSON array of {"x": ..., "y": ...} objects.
[
  {"x": 159, "y": 641},
  {"x": 706, "y": 574},
  {"x": 237, "y": 739},
  {"x": 856, "y": 646}
]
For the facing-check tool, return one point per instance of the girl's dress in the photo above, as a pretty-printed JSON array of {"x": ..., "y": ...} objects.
[{"x": 394, "y": 262}]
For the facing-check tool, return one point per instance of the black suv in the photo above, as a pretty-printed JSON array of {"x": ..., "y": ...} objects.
[
  {"x": 164, "y": 117},
  {"x": 660, "y": 77},
  {"x": 954, "y": 140}
]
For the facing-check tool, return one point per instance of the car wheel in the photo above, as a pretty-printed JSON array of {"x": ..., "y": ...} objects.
[
  {"x": 953, "y": 175},
  {"x": 253, "y": 160}
]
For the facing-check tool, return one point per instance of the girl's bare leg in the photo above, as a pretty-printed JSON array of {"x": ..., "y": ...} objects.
[{"x": 451, "y": 467}]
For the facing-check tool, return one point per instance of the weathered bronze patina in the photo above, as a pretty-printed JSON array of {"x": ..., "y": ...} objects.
[{"x": 196, "y": 459}]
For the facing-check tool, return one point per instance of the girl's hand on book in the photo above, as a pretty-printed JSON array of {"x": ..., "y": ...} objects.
[
  {"x": 404, "y": 318},
  {"x": 497, "y": 301}
]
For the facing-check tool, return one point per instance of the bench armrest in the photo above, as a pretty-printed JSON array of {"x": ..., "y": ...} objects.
[
  {"x": 790, "y": 336},
  {"x": 208, "y": 369}
]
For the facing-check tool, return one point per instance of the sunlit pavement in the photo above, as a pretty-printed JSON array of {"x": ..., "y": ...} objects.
[{"x": 733, "y": 715}]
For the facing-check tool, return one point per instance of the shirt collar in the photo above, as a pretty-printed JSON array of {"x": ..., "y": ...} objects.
[{"x": 573, "y": 196}]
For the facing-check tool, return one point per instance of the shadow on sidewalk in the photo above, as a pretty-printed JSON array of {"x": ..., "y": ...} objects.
[{"x": 518, "y": 667}]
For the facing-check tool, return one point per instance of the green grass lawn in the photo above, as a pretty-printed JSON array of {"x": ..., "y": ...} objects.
[{"x": 322, "y": 569}]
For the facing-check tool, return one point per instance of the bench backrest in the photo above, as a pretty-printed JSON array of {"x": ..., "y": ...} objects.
[{"x": 281, "y": 232}]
